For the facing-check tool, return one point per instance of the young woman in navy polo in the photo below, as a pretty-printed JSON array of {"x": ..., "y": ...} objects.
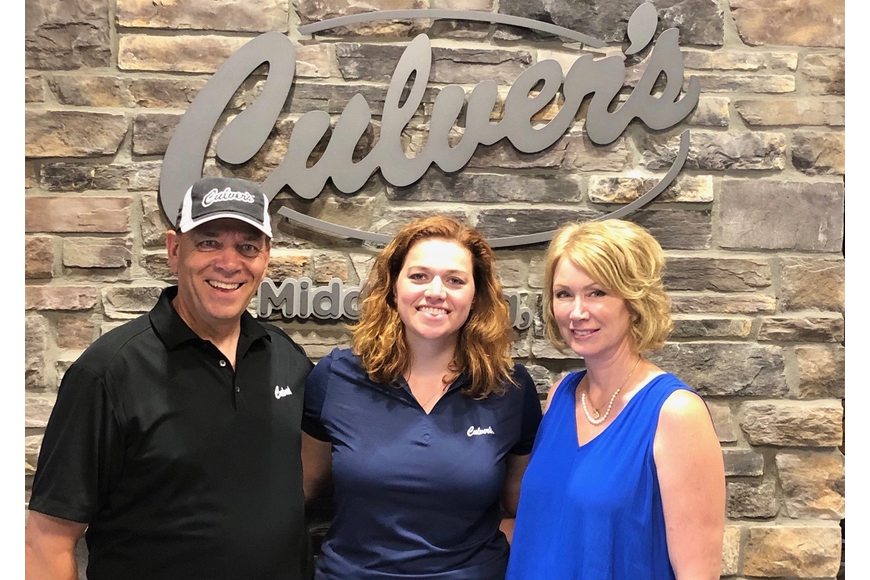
[{"x": 425, "y": 426}]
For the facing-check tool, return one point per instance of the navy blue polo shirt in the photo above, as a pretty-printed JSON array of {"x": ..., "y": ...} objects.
[{"x": 417, "y": 495}]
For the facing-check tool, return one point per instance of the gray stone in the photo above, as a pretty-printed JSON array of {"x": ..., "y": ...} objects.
[
  {"x": 62, "y": 176},
  {"x": 806, "y": 23},
  {"x": 512, "y": 272},
  {"x": 33, "y": 89},
  {"x": 723, "y": 60},
  {"x": 718, "y": 151},
  {"x": 333, "y": 98},
  {"x": 711, "y": 328},
  {"x": 824, "y": 74},
  {"x": 231, "y": 15},
  {"x": 154, "y": 223},
  {"x": 316, "y": 340},
  {"x": 751, "y": 499},
  {"x": 376, "y": 62},
  {"x": 723, "y": 421},
  {"x": 499, "y": 223},
  {"x": 816, "y": 153},
  {"x": 35, "y": 345},
  {"x": 813, "y": 283},
  {"x": 157, "y": 266},
  {"x": 724, "y": 303},
  {"x": 813, "y": 484},
  {"x": 37, "y": 408},
  {"x": 821, "y": 371},
  {"x": 700, "y": 21},
  {"x": 770, "y": 215},
  {"x": 39, "y": 252},
  {"x": 745, "y": 83},
  {"x": 687, "y": 188},
  {"x": 726, "y": 368},
  {"x": 152, "y": 132},
  {"x": 694, "y": 230},
  {"x": 66, "y": 35},
  {"x": 793, "y": 423},
  {"x": 791, "y": 112},
  {"x": 158, "y": 93},
  {"x": 97, "y": 252},
  {"x": 316, "y": 10},
  {"x": 465, "y": 187},
  {"x": 179, "y": 53},
  {"x": 803, "y": 328},
  {"x": 717, "y": 274},
  {"x": 710, "y": 112},
  {"x": 742, "y": 462},
  {"x": 72, "y": 133},
  {"x": 390, "y": 221},
  {"x": 129, "y": 299}
]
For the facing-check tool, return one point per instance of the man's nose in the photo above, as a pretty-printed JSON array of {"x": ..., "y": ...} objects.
[{"x": 228, "y": 258}]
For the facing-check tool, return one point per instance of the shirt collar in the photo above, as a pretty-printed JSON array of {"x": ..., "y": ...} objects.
[{"x": 173, "y": 331}]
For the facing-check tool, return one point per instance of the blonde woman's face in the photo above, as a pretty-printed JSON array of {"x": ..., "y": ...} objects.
[
  {"x": 434, "y": 292},
  {"x": 593, "y": 322}
]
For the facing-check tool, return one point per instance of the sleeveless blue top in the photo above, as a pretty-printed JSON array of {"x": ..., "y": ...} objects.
[{"x": 594, "y": 512}]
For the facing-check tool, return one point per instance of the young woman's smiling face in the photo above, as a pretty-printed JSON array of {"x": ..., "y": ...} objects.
[{"x": 434, "y": 291}]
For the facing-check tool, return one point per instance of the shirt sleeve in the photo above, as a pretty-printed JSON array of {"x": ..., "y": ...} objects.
[
  {"x": 315, "y": 396},
  {"x": 82, "y": 451},
  {"x": 531, "y": 415}
]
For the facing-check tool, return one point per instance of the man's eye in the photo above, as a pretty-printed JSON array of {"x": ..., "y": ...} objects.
[
  {"x": 248, "y": 250},
  {"x": 208, "y": 245}
]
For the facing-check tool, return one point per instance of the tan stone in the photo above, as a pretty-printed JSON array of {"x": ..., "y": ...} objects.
[
  {"x": 232, "y": 15},
  {"x": 157, "y": 266},
  {"x": 830, "y": 328},
  {"x": 722, "y": 60},
  {"x": 317, "y": 342},
  {"x": 692, "y": 303},
  {"x": 801, "y": 551},
  {"x": 805, "y": 23},
  {"x": 822, "y": 371},
  {"x": 824, "y": 74},
  {"x": 154, "y": 224},
  {"x": 731, "y": 551},
  {"x": 76, "y": 214},
  {"x": 362, "y": 265},
  {"x": 72, "y": 133},
  {"x": 35, "y": 344},
  {"x": 33, "y": 89},
  {"x": 153, "y": 131},
  {"x": 328, "y": 265},
  {"x": 91, "y": 90},
  {"x": 723, "y": 421},
  {"x": 32, "y": 444},
  {"x": 751, "y": 499},
  {"x": 710, "y": 112},
  {"x": 75, "y": 332},
  {"x": 284, "y": 264},
  {"x": 60, "y": 297},
  {"x": 791, "y": 112},
  {"x": 157, "y": 93},
  {"x": 38, "y": 257},
  {"x": 183, "y": 53},
  {"x": 784, "y": 61},
  {"x": 819, "y": 153},
  {"x": 37, "y": 408},
  {"x": 813, "y": 484},
  {"x": 316, "y": 10},
  {"x": 745, "y": 83},
  {"x": 793, "y": 423},
  {"x": 813, "y": 283},
  {"x": 97, "y": 252},
  {"x": 691, "y": 189}
]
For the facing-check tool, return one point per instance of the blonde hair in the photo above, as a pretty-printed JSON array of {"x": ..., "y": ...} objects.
[
  {"x": 483, "y": 348},
  {"x": 625, "y": 259}
]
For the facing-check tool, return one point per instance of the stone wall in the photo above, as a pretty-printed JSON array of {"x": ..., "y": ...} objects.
[{"x": 753, "y": 226}]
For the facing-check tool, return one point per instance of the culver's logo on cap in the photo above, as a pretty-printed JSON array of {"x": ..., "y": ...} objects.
[{"x": 215, "y": 196}]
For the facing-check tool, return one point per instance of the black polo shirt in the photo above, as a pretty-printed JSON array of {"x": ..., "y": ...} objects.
[{"x": 181, "y": 466}]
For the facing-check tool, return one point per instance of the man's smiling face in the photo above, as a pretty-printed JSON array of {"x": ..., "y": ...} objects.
[{"x": 219, "y": 265}]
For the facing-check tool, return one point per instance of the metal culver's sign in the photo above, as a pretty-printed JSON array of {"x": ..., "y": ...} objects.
[{"x": 600, "y": 80}]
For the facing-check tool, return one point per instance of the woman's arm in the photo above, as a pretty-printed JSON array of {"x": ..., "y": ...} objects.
[
  {"x": 510, "y": 495},
  {"x": 316, "y": 465},
  {"x": 691, "y": 476}
]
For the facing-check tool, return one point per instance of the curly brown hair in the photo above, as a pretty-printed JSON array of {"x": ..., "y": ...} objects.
[
  {"x": 483, "y": 348},
  {"x": 627, "y": 260}
]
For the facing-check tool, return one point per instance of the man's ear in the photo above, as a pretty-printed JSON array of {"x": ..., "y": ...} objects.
[{"x": 173, "y": 245}]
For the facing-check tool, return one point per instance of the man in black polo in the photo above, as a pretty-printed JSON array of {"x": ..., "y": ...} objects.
[{"x": 174, "y": 445}]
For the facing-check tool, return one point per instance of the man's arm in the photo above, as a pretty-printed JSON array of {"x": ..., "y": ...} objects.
[{"x": 49, "y": 547}]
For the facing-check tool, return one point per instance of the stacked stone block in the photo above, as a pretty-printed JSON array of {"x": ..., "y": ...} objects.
[{"x": 753, "y": 226}]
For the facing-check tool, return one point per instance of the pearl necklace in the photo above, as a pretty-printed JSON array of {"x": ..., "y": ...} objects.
[{"x": 598, "y": 419}]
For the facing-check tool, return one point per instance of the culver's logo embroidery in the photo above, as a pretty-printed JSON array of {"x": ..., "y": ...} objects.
[
  {"x": 285, "y": 392},
  {"x": 472, "y": 431},
  {"x": 215, "y": 196}
]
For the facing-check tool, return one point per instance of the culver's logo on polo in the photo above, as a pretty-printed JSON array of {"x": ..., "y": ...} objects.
[
  {"x": 285, "y": 392},
  {"x": 472, "y": 431},
  {"x": 215, "y": 196}
]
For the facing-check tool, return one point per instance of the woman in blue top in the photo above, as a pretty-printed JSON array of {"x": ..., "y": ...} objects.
[
  {"x": 425, "y": 425},
  {"x": 626, "y": 480}
]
